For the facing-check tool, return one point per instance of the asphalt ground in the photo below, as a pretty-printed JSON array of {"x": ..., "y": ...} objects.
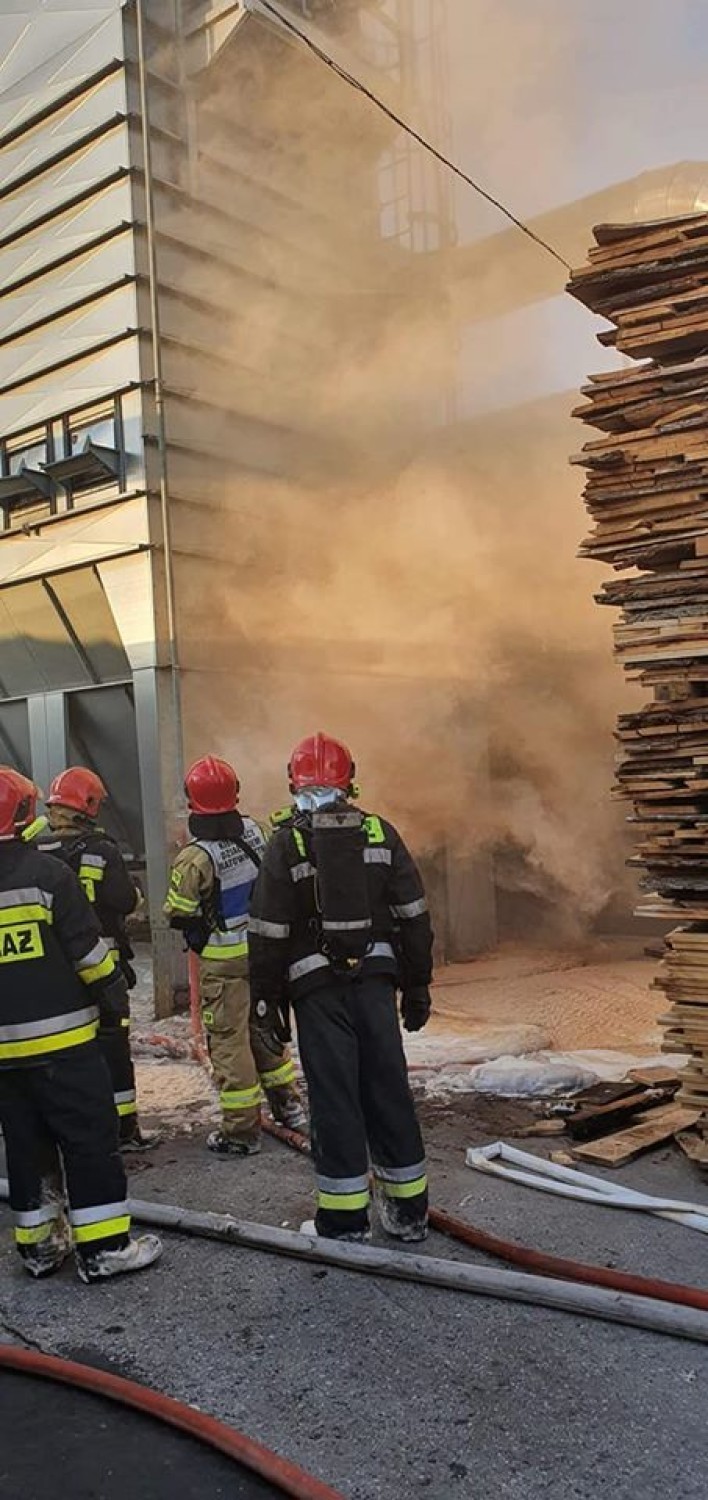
[
  {"x": 392, "y": 1390},
  {"x": 105, "y": 1452}
]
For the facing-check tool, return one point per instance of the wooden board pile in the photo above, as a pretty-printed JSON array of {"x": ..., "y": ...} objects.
[{"x": 647, "y": 494}]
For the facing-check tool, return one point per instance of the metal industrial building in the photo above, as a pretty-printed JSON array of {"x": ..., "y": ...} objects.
[{"x": 188, "y": 236}]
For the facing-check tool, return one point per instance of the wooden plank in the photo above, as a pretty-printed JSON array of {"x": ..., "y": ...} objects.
[
  {"x": 603, "y": 1118},
  {"x": 654, "y": 1076},
  {"x": 615, "y": 1150},
  {"x": 693, "y": 1146}
]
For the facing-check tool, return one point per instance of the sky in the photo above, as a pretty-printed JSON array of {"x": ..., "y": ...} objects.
[{"x": 554, "y": 99}]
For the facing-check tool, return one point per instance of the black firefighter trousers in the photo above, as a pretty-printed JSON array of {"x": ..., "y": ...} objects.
[
  {"x": 361, "y": 1107},
  {"x": 114, "y": 1042},
  {"x": 61, "y": 1140}
]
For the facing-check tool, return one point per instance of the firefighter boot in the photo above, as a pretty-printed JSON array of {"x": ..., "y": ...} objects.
[
  {"x": 49, "y": 1255},
  {"x": 355, "y": 1237},
  {"x": 397, "y": 1220},
  {"x": 223, "y": 1144},
  {"x": 136, "y": 1139},
  {"x": 141, "y": 1251},
  {"x": 287, "y": 1109}
]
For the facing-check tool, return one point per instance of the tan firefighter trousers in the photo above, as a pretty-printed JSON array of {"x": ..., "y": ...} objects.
[{"x": 244, "y": 1068}]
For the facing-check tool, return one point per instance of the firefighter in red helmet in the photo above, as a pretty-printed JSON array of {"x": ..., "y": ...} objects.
[
  {"x": 339, "y": 922},
  {"x": 210, "y": 888},
  {"x": 58, "y": 978},
  {"x": 74, "y": 805}
]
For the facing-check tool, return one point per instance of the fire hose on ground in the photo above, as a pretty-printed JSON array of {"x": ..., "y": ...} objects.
[
  {"x": 536, "y": 1260},
  {"x": 562, "y": 1268},
  {"x": 620, "y": 1296},
  {"x": 402, "y": 1265},
  {"x": 284, "y": 1476}
]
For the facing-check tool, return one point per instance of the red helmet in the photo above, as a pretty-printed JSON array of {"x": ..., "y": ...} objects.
[
  {"x": 79, "y": 789},
  {"x": 212, "y": 786},
  {"x": 321, "y": 761},
  {"x": 18, "y": 802}
]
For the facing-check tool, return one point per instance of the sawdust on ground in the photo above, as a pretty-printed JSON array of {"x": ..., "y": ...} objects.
[{"x": 598, "y": 999}]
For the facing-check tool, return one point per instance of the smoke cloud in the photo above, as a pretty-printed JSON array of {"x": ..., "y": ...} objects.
[{"x": 400, "y": 578}]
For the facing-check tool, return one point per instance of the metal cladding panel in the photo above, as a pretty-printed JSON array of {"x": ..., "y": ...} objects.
[
  {"x": 35, "y": 252},
  {"x": 68, "y": 314},
  {"x": 65, "y": 127},
  {"x": 81, "y": 537},
  {"x": 71, "y": 335},
  {"x": 48, "y": 46},
  {"x": 45, "y": 296},
  {"x": 50, "y": 189}
]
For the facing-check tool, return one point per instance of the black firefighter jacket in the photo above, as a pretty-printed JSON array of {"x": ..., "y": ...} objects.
[
  {"x": 54, "y": 963},
  {"x": 285, "y": 936},
  {"x": 96, "y": 858}
]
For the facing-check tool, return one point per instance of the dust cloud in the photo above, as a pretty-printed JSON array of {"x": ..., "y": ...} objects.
[{"x": 386, "y": 571}]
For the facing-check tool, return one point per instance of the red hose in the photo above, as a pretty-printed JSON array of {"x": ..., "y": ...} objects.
[
  {"x": 568, "y": 1270},
  {"x": 277, "y": 1471},
  {"x": 537, "y": 1260},
  {"x": 196, "y": 1029}
]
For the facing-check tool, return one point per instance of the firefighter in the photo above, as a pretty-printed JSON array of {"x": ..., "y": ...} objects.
[
  {"x": 210, "y": 887},
  {"x": 57, "y": 977},
  {"x": 74, "y": 804},
  {"x": 338, "y": 922}
]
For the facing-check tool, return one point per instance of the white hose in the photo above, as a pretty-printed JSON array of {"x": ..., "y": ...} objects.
[
  {"x": 402, "y": 1265},
  {"x": 551, "y": 1177}
]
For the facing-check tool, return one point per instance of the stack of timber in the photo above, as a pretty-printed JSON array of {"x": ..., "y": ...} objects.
[{"x": 647, "y": 495}]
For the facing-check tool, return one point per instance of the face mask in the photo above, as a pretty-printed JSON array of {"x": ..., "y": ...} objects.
[{"x": 314, "y": 798}]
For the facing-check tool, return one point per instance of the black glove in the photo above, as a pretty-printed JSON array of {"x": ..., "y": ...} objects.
[
  {"x": 270, "y": 1017},
  {"x": 416, "y": 1006},
  {"x": 128, "y": 972},
  {"x": 113, "y": 1004},
  {"x": 196, "y": 933}
]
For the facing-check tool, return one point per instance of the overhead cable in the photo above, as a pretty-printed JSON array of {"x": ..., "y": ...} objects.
[{"x": 362, "y": 88}]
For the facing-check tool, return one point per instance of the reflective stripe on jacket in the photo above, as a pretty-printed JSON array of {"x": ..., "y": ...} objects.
[
  {"x": 285, "y": 943},
  {"x": 214, "y": 878},
  {"x": 96, "y": 859},
  {"x": 53, "y": 960}
]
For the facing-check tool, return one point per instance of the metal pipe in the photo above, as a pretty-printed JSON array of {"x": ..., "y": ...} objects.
[{"x": 157, "y": 381}]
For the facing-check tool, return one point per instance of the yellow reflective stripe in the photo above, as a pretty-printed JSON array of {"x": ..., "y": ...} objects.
[
  {"x": 97, "y": 971},
  {"x": 374, "y": 830},
  {"x": 33, "y": 830},
  {"x": 240, "y": 1098},
  {"x": 299, "y": 843},
  {"x": 91, "y": 872},
  {"x": 125, "y": 1023},
  {"x": 343, "y": 1200},
  {"x": 127, "y": 1109},
  {"x": 104, "y": 1229},
  {"x": 9, "y": 915},
  {"x": 37, "y": 1046},
  {"x": 181, "y": 903},
  {"x": 276, "y": 1077},
  {"x": 224, "y": 950},
  {"x": 36, "y": 1234},
  {"x": 405, "y": 1189}
]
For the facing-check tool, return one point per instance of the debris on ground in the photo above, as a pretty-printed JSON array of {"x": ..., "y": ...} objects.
[{"x": 651, "y": 1129}]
